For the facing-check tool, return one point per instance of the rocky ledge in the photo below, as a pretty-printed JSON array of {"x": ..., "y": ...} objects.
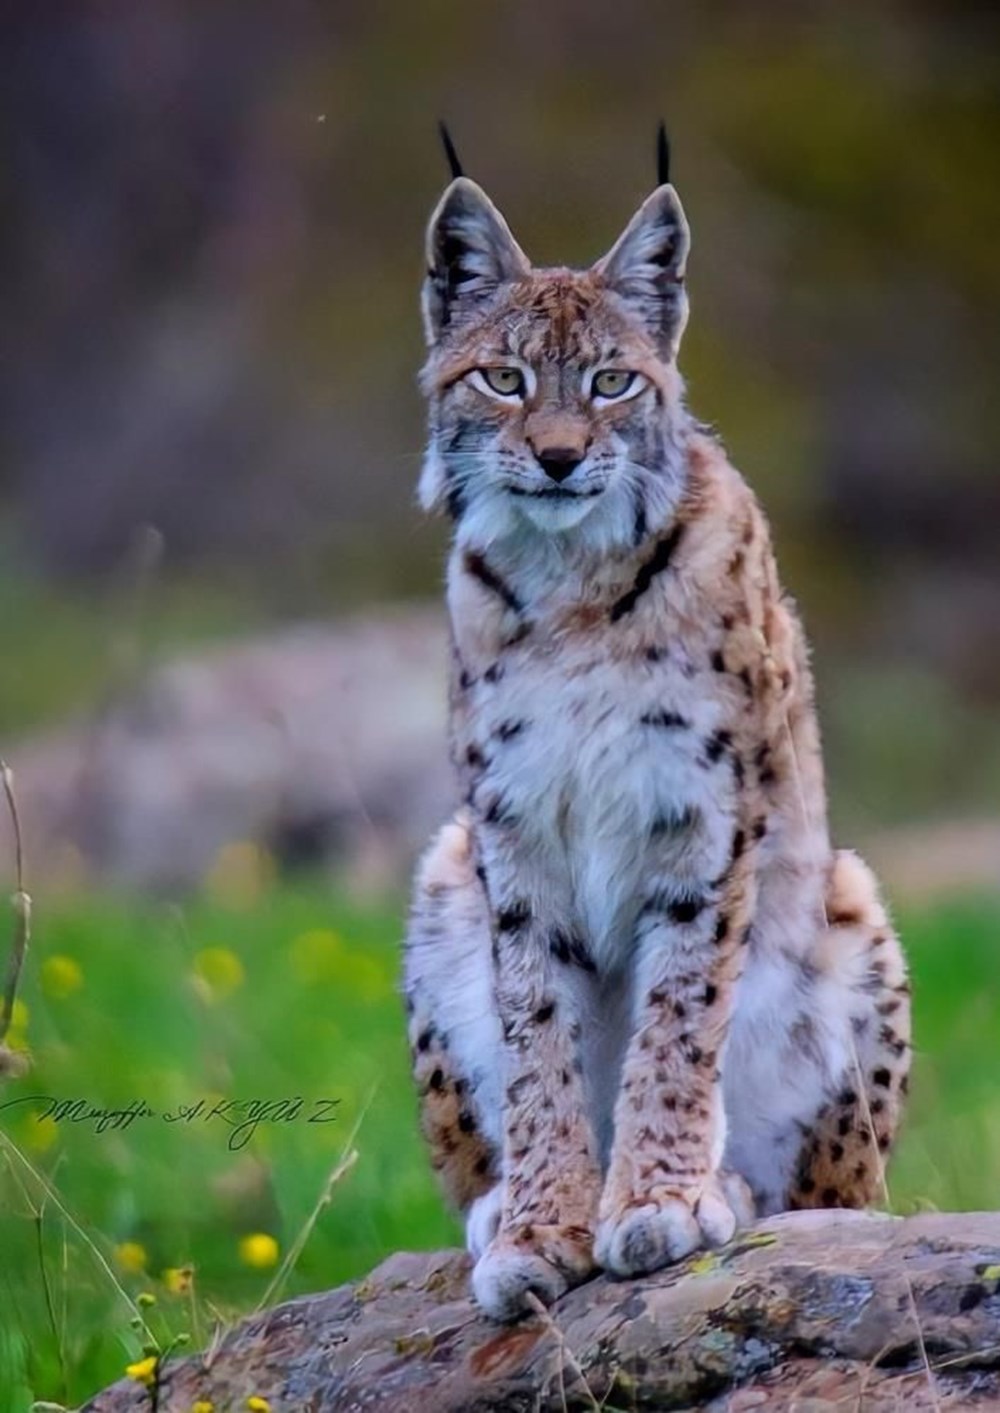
[{"x": 811, "y": 1311}]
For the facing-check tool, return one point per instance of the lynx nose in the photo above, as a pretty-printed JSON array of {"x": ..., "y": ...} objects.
[{"x": 558, "y": 462}]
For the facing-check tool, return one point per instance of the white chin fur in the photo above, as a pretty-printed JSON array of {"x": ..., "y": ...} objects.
[{"x": 556, "y": 514}]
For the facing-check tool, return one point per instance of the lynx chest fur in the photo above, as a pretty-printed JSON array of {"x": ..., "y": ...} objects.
[
  {"x": 647, "y": 1000},
  {"x": 602, "y": 721}
]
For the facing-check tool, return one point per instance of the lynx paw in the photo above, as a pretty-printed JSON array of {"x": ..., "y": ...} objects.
[
  {"x": 546, "y": 1266},
  {"x": 644, "y": 1237}
]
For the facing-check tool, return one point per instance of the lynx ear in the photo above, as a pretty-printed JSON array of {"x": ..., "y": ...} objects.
[
  {"x": 470, "y": 253},
  {"x": 645, "y": 267}
]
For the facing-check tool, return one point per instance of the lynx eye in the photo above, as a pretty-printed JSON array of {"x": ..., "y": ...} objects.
[
  {"x": 507, "y": 382},
  {"x": 611, "y": 382}
]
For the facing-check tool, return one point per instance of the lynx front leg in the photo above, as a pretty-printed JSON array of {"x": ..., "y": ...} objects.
[
  {"x": 550, "y": 1171},
  {"x": 664, "y": 1194}
]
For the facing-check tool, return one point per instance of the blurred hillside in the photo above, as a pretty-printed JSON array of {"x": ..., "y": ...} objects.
[{"x": 210, "y": 248}]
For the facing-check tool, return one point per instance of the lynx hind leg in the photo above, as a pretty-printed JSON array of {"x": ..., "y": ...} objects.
[
  {"x": 842, "y": 1161},
  {"x": 453, "y": 1029}
]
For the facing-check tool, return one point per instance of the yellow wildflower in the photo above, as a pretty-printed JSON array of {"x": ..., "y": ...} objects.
[
  {"x": 61, "y": 976},
  {"x": 258, "y": 1405},
  {"x": 220, "y": 972},
  {"x": 202, "y": 1405},
  {"x": 131, "y": 1257},
  {"x": 259, "y": 1250},
  {"x": 144, "y": 1371},
  {"x": 178, "y": 1279}
]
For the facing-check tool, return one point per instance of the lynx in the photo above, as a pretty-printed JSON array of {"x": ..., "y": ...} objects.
[{"x": 647, "y": 1000}]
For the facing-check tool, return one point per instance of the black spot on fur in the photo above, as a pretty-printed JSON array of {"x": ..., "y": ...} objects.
[
  {"x": 437, "y": 1080},
  {"x": 545, "y": 1012},
  {"x": 511, "y": 918},
  {"x": 640, "y": 526},
  {"x": 424, "y": 1040},
  {"x": 846, "y": 917},
  {"x": 507, "y": 730},
  {"x": 455, "y": 500},
  {"x": 685, "y": 909},
  {"x": 475, "y": 564},
  {"x": 721, "y": 928},
  {"x": 718, "y": 661},
  {"x": 711, "y": 992},
  {"x": 673, "y": 823},
  {"x": 493, "y": 673},
  {"x": 881, "y": 1077},
  {"x": 499, "y": 812},
  {"x": 571, "y": 950},
  {"x": 658, "y": 561},
  {"x": 518, "y": 635},
  {"x": 717, "y": 744},
  {"x": 466, "y": 1122},
  {"x": 654, "y": 654},
  {"x": 668, "y": 720}
]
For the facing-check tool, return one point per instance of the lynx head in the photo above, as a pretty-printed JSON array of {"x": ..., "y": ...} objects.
[{"x": 555, "y": 402}]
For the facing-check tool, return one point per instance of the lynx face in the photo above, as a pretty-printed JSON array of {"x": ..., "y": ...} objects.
[{"x": 552, "y": 392}]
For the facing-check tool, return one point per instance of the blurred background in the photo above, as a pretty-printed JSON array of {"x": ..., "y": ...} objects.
[
  {"x": 211, "y": 231},
  {"x": 223, "y": 671}
]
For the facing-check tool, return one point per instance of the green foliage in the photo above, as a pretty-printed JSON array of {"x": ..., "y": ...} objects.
[{"x": 263, "y": 992}]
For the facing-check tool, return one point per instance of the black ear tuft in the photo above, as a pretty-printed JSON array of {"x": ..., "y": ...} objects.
[
  {"x": 645, "y": 267},
  {"x": 662, "y": 155},
  {"x": 449, "y": 151},
  {"x": 470, "y": 254}
]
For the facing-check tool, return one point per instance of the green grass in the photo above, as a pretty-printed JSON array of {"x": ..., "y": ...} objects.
[{"x": 301, "y": 1000}]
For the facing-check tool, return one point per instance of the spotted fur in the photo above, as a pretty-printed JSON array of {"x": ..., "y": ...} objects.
[{"x": 647, "y": 998}]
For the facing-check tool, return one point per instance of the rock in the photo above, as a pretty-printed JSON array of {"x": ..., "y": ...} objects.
[
  {"x": 323, "y": 744},
  {"x": 810, "y": 1311}
]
